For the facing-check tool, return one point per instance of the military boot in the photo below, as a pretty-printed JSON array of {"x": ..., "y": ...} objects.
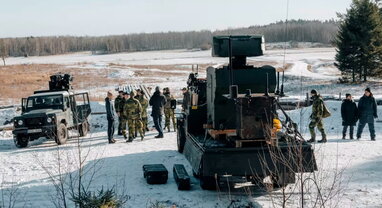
[
  {"x": 130, "y": 139},
  {"x": 311, "y": 140},
  {"x": 323, "y": 140}
]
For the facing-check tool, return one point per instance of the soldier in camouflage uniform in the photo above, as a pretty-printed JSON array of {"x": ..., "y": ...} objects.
[
  {"x": 124, "y": 116},
  {"x": 145, "y": 104},
  {"x": 316, "y": 117},
  {"x": 118, "y": 105},
  {"x": 133, "y": 110},
  {"x": 168, "y": 111}
]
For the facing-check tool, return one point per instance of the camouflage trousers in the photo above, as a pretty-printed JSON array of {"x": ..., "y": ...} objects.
[
  {"x": 144, "y": 127},
  {"x": 144, "y": 124},
  {"x": 169, "y": 115},
  {"x": 123, "y": 124},
  {"x": 135, "y": 124},
  {"x": 320, "y": 126}
]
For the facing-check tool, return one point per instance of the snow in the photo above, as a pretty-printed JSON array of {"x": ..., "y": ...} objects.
[{"x": 121, "y": 163}]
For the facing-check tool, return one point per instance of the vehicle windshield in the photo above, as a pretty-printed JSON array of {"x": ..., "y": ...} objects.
[{"x": 45, "y": 102}]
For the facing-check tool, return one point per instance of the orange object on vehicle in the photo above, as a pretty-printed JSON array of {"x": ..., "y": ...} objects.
[{"x": 277, "y": 124}]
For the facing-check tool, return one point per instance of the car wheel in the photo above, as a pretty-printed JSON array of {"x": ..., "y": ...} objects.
[
  {"x": 62, "y": 134},
  {"x": 83, "y": 129},
  {"x": 21, "y": 141},
  {"x": 208, "y": 182},
  {"x": 181, "y": 138}
]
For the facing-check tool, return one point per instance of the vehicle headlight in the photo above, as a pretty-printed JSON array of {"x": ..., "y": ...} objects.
[
  {"x": 20, "y": 122},
  {"x": 49, "y": 120}
]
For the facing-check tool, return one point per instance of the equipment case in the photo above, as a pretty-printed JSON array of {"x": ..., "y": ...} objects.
[
  {"x": 155, "y": 173},
  {"x": 181, "y": 177}
]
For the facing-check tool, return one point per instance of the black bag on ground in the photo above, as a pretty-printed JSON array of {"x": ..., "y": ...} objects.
[
  {"x": 181, "y": 177},
  {"x": 155, "y": 173}
]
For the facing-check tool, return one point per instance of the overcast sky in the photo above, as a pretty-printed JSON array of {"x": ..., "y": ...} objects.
[{"x": 106, "y": 17}]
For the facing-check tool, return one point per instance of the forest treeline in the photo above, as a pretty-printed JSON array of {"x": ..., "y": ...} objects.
[{"x": 298, "y": 30}]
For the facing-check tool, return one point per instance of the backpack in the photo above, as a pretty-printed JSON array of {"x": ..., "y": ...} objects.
[
  {"x": 173, "y": 104},
  {"x": 326, "y": 113}
]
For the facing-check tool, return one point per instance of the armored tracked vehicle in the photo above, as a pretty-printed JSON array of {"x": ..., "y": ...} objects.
[
  {"x": 51, "y": 113},
  {"x": 234, "y": 125}
]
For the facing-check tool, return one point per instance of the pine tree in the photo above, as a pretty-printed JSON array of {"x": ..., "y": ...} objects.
[{"x": 359, "y": 40}]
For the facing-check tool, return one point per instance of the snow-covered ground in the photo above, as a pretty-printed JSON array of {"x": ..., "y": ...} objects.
[
  {"x": 26, "y": 171},
  {"x": 121, "y": 163}
]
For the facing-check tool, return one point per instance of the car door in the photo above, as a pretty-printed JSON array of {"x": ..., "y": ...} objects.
[
  {"x": 82, "y": 106},
  {"x": 23, "y": 105}
]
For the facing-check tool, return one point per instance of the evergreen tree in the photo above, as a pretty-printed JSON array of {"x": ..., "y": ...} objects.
[{"x": 359, "y": 40}]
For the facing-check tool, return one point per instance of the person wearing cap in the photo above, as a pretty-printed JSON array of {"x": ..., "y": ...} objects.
[
  {"x": 186, "y": 98},
  {"x": 145, "y": 104},
  {"x": 367, "y": 112},
  {"x": 157, "y": 101},
  {"x": 169, "y": 111},
  {"x": 124, "y": 115},
  {"x": 349, "y": 114},
  {"x": 110, "y": 117},
  {"x": 118, "y": 105},
  {"x": 133, "y": 110},
  {"x": 316, "y": 117}
]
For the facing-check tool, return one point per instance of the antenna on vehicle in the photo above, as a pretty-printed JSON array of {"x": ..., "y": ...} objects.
[
  {"x": 267, "y": 86},
  {"x": 230, "y": 60},
  {"x": 285, "y": 36},
  {"x": 278, "y": 84}
]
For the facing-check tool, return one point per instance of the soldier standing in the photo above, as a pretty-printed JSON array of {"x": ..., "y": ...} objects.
[
  {"x": 133, "y": 110},
  {"x": 186, "y": 98},
  {"x": 124, "y": 116},
  {"x": 168, "y": 110},
  {"x": 316, "y": 117},
  {"x": 145, "y": 104},
  {"x": 118, "y": 105}
]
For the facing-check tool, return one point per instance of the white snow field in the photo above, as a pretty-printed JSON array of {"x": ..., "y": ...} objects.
[
  {"x": 27, "y": 172},
  {"x": 120, "y": 165}
]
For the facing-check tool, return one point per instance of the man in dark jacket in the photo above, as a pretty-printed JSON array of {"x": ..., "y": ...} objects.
[
  {"x": 367, "y": 111},
  {"x": 110, "y": 117},
  {"x": 349, "y": 114},
  {"x": 118, "y": 104},
  {"x": 157, "y": 101}
]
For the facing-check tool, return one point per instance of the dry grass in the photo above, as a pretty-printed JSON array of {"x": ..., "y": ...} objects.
[{"x": 19, "y": 81}]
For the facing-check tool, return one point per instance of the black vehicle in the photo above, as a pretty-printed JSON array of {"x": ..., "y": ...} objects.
[
  {"x": 51, "y": 113},
  {"x": 232, "y": 126}
]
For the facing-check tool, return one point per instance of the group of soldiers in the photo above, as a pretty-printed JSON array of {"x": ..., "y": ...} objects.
[{"x": 131, "y": 109}]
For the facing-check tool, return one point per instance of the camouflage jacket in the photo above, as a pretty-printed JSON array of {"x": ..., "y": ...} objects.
[
  {"x": 145, "y": 104},
  {"x": 317, "y": 107},
  {"x": 168, "y": 100},
  {"x": 118, "y": 104},
  {"x": 132, "y": 109}
]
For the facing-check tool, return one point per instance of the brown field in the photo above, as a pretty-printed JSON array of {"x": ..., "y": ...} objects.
[{"x": 19, "y": 81}]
